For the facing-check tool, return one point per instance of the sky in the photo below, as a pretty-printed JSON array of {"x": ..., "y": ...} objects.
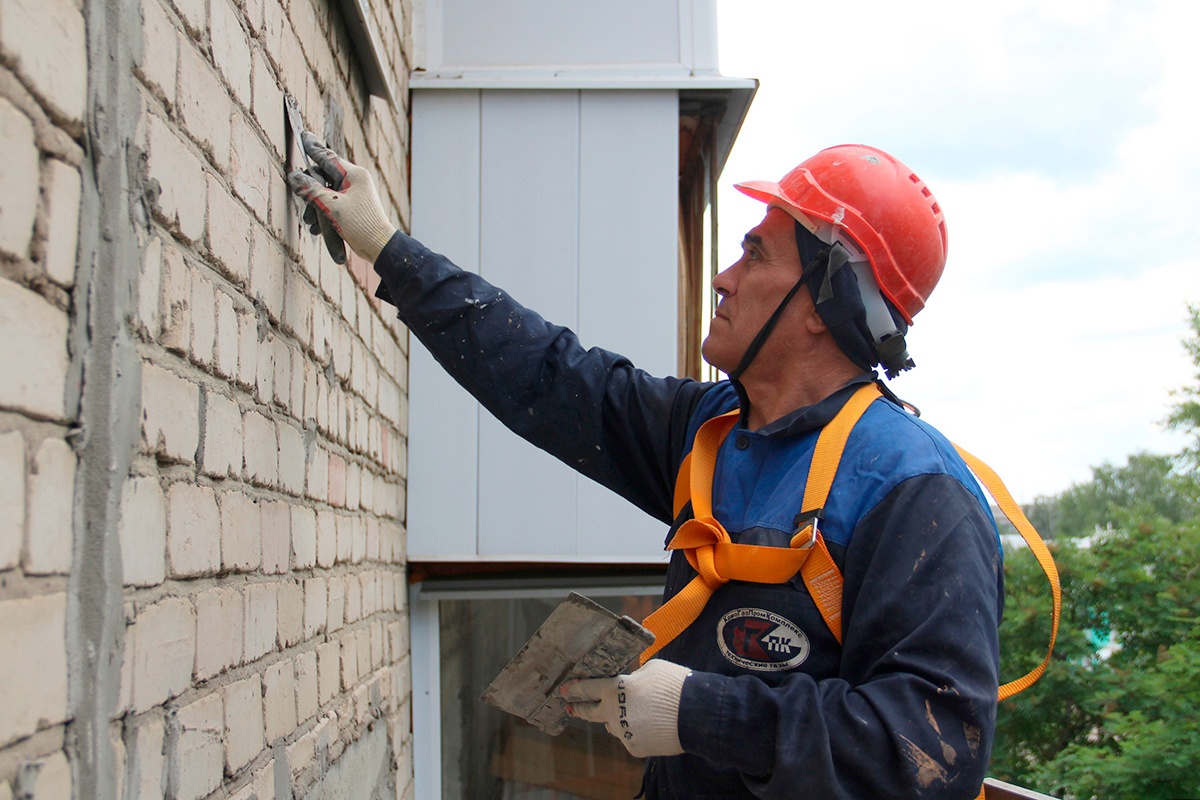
[{"x": 1062, "y": 140}]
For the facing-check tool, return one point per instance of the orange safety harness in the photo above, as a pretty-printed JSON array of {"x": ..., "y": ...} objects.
[{"x": 718, "y": 560}]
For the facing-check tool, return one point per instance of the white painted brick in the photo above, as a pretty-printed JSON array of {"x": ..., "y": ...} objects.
[
  {"x": 62, "y": 191},
  {"x": 145, "y": 769},
  {"x": 298, "y": 302},
  {"x": 322, "y": 333},
  {"x": 193, "y": 531},
  {"x": 219, "y": 618},
  {"x": 285, "y": 209},
  {"x": 228, "y": 232},
  {"x": 33, "y": 359},
  {"x": 337, "y": 481},
  {"x": 170, "y": 414},
  {"x": 205, "y": 106},
  {"x": 316, "y": 606},
  {"x": 341, "y": 351},
  {"x": 301, "y": 752},
  {"x": 194, "y": 13},
  {"x": 261, "y": 450},
  {"x": 12, "y": 497},
  {"x": 299, "y": 364},
  {"x": 143, "y": 532},
  {"x": 279, "y": 700},
  {"x": 243, "y": 723},
  {"x": 128, "y": 648},
  {"x": 281, "y": 380},
  {"x": 160, "y": 49},
  {"x": 311, "y": 391},
  {"x": 51, "y": 506},
  {"x": 241, "y": 532},
  {"x": 345, "y": 528},
  {"x": 291, "y": 461},
  {"x": 353, "y": 599},
  {"x": 370, "y": 592},
  {"x": 115, "y": 740},
  {"x": 51, "y": 778},
  {"x": 221, "y": 450},
  {"x": 359, "y": 526},
  {"x": 323, "y": 391},
  {"x": 377, "y": 644},
  {"x": 178, "y": 173},
  {"x": 204, "y": 319},
  {"x": 362, "y": 649},
  {"x": 268, "y": 101},
  {"x": 318, "y": 473},
  {"x": 366, "y": 499},
  {"x": 33, "y": 665},
  {"x": 266, "y": 273},
  {"x": 264, "y": 377},
  {"x": 231, "y": 51},
  {"x": 260, "y": 625},
  {"x": 326, "y": 538},
  {"x": 150, "y": 287},
  {"x": 337, "y": 604},
  {"x": 291, "y": 613},
  {"x": 253, "y": 16},
  {"x": 250, "y": 167},
  {"x": 349, "y": 658},
  {"x": 329, "y": 671},
  {"x": 247, "y": 345},
  {"x": 227, "y": 336},
  {"x": 176, "y": 304},
  {"x": 57, "y": 73},
  {"x": 353, "y": 485},
  {"x": 164, "y": 650},
  {"x": 276, "y": 537},
  {"x": 196, "y": 754},
  {"x": 19, "y": 171},
  {"x": 374, "y": 548},
  {"x": 263, "y": 785},
  {"x": 304, "y": 537}
]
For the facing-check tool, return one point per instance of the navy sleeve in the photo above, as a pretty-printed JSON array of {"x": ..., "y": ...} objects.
[
  {"x": 590, "y": 408},
  {"x": 912, "y": 710}
]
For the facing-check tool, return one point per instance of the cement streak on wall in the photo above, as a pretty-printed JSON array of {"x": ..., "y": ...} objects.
[{"x": 202, "y": 435}]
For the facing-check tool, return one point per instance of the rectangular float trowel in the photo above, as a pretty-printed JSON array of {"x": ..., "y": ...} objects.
[{"x": 580, "y": 639}]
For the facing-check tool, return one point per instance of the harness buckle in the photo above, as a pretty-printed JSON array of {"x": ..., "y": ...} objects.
[{"x": 810, "y": 520}]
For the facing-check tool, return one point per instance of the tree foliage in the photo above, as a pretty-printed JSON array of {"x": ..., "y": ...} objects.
[{"x": 1115, "y": 714}]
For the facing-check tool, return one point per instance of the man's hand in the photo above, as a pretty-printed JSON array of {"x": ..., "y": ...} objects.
[
  {"x": 642, "y": 709},
  {"x": 347, "y": 197}
]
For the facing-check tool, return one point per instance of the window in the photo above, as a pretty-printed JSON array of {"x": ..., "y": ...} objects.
[{"x": 484, "y": 753}]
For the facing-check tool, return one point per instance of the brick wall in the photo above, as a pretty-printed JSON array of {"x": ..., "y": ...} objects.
[{"x": 202, "y": 416}]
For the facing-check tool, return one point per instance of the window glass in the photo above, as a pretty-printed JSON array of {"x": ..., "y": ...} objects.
[{"x": 490, "y": 755}]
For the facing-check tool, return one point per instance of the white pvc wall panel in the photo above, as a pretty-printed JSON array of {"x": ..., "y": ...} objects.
[
  {"x": 529, "y": 235},
  {"x": 533, "y": 33},
  {"x": 572, "y": 197},
  {"x": 443, "y": 431},
  {"x": 628, "y": 211}
]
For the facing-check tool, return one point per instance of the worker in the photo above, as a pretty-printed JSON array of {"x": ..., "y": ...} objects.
[{"x": 756, "y": 693}]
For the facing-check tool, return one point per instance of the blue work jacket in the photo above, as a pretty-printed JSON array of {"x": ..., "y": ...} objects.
[{"x": 775, "y": 707}]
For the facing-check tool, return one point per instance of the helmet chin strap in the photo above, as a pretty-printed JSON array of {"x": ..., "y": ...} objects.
[{"x": 761, "y": 338}]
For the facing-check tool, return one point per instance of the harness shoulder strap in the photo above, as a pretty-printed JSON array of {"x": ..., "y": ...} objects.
[{"x": 821, "y": 576}]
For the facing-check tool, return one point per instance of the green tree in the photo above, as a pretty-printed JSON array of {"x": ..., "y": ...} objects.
[{"x": 1115, "y": 715}]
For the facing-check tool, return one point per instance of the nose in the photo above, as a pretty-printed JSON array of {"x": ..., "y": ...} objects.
[{"x": 723, "y": 282}]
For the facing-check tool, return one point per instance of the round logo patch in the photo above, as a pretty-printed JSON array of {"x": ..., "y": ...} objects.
[{"x": 753, "y": 638}]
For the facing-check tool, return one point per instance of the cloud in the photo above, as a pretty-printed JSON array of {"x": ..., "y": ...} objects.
[{"x": 1059, "y": 138}]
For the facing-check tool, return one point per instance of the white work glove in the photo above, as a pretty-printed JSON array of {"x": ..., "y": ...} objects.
[
  {"x": 642, "y": 709},
  {"x": 347, "y": 197}
]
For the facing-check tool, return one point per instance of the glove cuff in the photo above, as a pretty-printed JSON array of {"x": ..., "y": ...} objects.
[{"x": 662, "y": 682}]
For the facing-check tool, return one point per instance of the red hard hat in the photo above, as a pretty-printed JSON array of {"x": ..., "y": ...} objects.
[{"x": 885, "y": 208}]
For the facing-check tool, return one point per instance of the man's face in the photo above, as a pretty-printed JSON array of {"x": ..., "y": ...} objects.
[{"x": 751, "y": 289}]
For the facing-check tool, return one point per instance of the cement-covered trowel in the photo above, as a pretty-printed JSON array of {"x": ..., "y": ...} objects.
[{"x": 580, "y": 639}]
